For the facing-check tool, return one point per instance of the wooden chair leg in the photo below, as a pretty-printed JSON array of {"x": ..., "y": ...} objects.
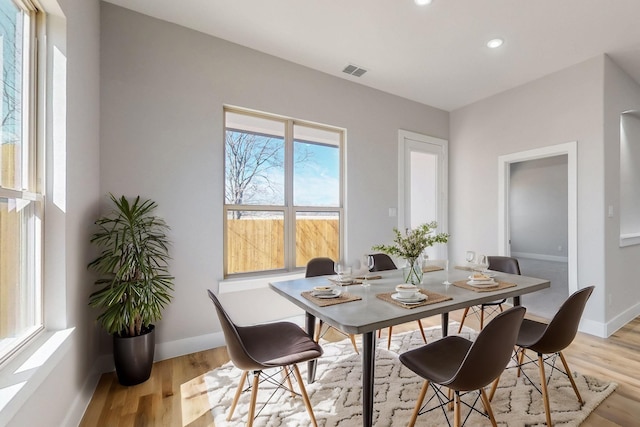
[
  {"x": 520, "y": 360},
  {"x": 494, "y": 386},
  {"x": 254, "y": 398},
  {"x": 389, "y": 337},
  {"x": 481, "y": 317},
  {"x": 243, "y": 378},
  {"x": 451, "y": 399},
  {"x": 287, "y": 376},
  {"x": 318, "y": 331},
  {"x": 573, "y": 383},
  {"x": 353, "y": 341},
  {"x": 487, "y": 407},
  {"x": 416, "y": 410},
  {"x": 424, "y": 338},
  {"x": 305, "y": 396},
  {"x": 456, "y": 411},
  {"x": 464, "y": 316},
  {"x": 545, "y": 392}
]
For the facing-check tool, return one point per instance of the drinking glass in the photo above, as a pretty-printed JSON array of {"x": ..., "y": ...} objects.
[
  {"x": 367, "y": 261},
  {"x": 446, "y": 270}
]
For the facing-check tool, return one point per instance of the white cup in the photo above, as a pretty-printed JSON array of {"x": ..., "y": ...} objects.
[{"x": 406, "y": 290}]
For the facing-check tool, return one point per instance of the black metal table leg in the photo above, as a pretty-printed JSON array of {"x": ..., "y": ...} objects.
[
  {"x": 368, "y": 369},
  {"x": 312, "y": 364},
  {"x": 445, "y": 324}
]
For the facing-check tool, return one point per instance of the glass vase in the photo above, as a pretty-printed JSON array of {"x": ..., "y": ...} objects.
[{"x": 413, "y": 271}]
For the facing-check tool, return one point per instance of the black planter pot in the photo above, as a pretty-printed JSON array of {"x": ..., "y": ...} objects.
[{"x": 133, "y": 357}]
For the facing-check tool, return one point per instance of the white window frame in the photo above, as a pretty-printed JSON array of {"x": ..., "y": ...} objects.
[
  {"x": 32, "y": 172},
  {"x": 289, "y": 210}
]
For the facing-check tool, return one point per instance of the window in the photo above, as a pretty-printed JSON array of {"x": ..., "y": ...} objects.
[
  {"x": 20, "y": 198},
  {"x": 283, "y": 192}
]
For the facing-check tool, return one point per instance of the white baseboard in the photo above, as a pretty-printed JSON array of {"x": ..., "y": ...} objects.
[
  {"x": 541, "y": 257},
  {"x": 622, "y": 319}
]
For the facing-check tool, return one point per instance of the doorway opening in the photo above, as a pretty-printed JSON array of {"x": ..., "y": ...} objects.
[{"x": 538, "y": 219}]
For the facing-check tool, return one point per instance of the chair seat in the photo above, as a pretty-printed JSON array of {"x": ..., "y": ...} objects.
[
  {"x": 278, "y": 344},
  {"x": 439, "y": 361},
  {"x": 530, "y": 332}
]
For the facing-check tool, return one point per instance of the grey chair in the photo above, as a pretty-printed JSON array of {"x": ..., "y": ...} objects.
[
  {"x": 548, "y": 341},
  {"x": 383, "y": 262},
  {"x": 464, "y": 366},
  {"x": 272, "y": 345},
  {"x": 323, "y": 266},
  {"x": 503, "y": 264}
]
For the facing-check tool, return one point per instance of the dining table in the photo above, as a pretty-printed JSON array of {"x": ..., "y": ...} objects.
[{"x": 366, "y": 309}]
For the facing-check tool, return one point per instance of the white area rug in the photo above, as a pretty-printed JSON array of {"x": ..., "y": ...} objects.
[{"x": 336, "y": 393}]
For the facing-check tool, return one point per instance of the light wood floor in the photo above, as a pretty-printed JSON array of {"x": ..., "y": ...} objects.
[{"x": 175, "y": 395}]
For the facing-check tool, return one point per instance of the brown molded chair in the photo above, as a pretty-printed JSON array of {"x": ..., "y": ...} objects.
[
  {"x": 503, "y": 264},
  {"x": 383, "y": 262},
  {"x": 323, "y": 266},
  {"x": 548, "y": 341},
  {"x": 464, "y": 366},
  {"x": 259, "y": 347}
]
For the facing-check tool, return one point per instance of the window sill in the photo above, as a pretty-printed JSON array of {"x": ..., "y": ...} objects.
[
  {"x": 24, "y": 373},
  {"x": 255, "y": 282},
  {"x": 629, "y": 239}
]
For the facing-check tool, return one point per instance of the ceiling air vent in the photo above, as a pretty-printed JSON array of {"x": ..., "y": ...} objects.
[{"x": 354, "y": 70}]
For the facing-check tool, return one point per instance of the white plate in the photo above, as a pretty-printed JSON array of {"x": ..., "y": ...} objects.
[
  {"x": 490, "y": 275},
  {"x": 418, "y": 298},
  {"x": 327, "y": 295},
  {"x": 344, "y": 281},
  {"x": 482, "y": 283}
]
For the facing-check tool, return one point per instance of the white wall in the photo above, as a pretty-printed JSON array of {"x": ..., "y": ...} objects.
[
  {"x": 562, "y": 107},
  {"x": 622, "y": 266},
  {"x": 163, "y": 88},
  {"x": 61, "y": 396}
]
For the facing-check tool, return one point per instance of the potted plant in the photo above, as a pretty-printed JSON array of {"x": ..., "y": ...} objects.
[
  {"x": 410, "y": 247},
  {"x": 135, "y": 285}
]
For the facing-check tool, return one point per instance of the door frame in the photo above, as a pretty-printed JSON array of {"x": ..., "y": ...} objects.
[
  {"x": 442, "y": 211},
  {"x": 504, "y": 167}
]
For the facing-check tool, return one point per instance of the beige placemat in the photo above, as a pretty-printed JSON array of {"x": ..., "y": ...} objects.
[
  {"x": 432, "y": 298},
  {"x": 324, "y": 302},
  {"x": 429, "y": 268},
  {"x": 499, "y": 285}
]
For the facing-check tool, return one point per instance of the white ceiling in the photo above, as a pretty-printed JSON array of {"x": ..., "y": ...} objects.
[{"x": 433, "y": 54}]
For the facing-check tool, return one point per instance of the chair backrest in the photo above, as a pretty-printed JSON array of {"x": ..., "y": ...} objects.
[
  {"x": 236, "y": 349},
  {"x": 321, "y": 266},
  {"x": 382, "y": 262},
  {"x": 504, "y": 264},
  {"x": 490, "y": 353},
  {"x": 562, "y": 329}
]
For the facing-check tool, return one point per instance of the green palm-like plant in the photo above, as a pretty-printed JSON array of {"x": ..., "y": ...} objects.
[{"x": 133, "y": 267}]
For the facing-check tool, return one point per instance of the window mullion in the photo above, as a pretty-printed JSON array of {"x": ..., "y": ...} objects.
[{"x": 289, "y": 217}]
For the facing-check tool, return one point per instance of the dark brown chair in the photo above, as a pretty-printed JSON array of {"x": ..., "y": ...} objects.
[
  {"x": 323, "y": 266},
  {"x": 383, "y": 262},
  {"x": 503, "y": 264},
  {"x": 465, "y": 366},
  {"x": 259, "y": 347},
  {"x": 548, "y": 341}
]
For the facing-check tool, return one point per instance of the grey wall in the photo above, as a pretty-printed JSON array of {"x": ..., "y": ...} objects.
[
  {"x": 562, "y": 107},
  {"x": 621, "y": 264},
  {"x": 538, "y": 208},
  {"x": 163, "y": 88}
]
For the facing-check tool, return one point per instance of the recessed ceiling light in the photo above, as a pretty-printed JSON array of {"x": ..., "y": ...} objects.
[
  {"x": 494, "y": 43},
  {"x": 422, "y": 2}
]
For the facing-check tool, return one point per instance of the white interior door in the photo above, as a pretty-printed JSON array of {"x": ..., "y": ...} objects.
[{"x": 422, "y": 184}]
